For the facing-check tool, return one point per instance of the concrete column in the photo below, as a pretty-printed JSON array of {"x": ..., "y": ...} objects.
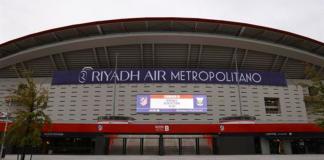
[
  {"x": 180, "y": 146},
  {"x": 124, "y": 146},
  {"x": 161, "y": 145},
  {"x": 215, "y": 144},
  {"x": 141, "y": 146},
  {"x": 287, "y": 147},
  {"x": 265, "y": 146},
  {"x": 197, "y": 146}
]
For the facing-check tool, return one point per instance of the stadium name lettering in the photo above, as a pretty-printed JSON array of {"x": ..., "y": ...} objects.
[
  {"x": 89, "y": 75},
  {"x": 161, "y": 75}
]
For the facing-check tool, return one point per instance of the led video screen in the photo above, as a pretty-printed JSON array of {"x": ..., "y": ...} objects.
[{"x": 171, "y": 103}]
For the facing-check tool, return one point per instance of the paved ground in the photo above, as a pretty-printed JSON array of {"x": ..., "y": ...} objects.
[{"x": 222, "y": 157}]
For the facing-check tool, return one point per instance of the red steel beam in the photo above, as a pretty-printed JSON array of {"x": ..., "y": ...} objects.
[{"x": 178, "y": 128}]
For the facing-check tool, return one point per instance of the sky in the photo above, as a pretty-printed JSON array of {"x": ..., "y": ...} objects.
[{"x": 23, "y": 17}]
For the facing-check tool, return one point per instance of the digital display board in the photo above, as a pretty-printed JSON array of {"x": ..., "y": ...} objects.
[{"x": 171, "y": 103}]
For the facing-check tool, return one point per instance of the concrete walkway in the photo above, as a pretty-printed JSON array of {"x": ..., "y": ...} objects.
[{"x": 184, "y": 157}]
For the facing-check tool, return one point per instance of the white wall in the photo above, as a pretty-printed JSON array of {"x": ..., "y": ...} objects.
[{"x": 84, "y": 103}]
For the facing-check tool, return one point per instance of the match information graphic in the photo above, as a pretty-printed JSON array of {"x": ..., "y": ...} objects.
[{"x": 171, "y": 103}]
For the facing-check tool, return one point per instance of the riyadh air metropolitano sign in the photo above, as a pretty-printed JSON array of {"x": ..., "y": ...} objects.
[{"x": 89, "y": 75}]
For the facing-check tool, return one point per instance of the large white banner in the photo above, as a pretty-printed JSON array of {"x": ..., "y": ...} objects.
[{"x": 171, "y": 103}]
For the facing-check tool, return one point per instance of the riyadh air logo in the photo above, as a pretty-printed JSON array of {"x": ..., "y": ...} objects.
[{"x": 84, "y": 74}]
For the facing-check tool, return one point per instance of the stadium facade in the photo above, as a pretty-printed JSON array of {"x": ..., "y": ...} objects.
[{"x": 185, "y": 73}]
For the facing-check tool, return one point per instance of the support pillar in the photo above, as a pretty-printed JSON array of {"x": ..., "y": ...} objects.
[
  {"x": 124, "y": 145},
  {"x": 161, "y": 145},
  {"x": 265, "y": 146},
  {"x": 180, "y": 146},
  {"x": 108, "y": 147},
  {"x": 141, "y": 146},
  {"x": 197, "y": 146}
]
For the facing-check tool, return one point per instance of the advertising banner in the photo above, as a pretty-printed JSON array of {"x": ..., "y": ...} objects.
[{"x": 171, "y": 103}]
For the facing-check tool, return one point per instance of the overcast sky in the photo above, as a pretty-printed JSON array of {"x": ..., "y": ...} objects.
[{"x": 22, "y": 17}]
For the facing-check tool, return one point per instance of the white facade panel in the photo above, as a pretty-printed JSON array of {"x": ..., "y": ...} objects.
[{"x": 84, "y": 103}]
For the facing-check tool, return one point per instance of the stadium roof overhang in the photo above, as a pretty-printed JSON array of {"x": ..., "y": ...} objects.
[{"x": 190, "y": 42}]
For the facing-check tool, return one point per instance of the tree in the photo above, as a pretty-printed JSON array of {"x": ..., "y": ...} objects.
[
  {"x": 30, "y": 117},
  {"x": 315, "y": 100}
]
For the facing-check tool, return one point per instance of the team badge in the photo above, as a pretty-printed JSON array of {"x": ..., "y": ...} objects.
[
  {"x": 143, "y": 101},
  {"x": 200, "y": 101}
]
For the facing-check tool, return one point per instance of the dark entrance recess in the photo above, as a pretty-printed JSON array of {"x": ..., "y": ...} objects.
[
  {"x": 236, "y": 145},
  {"x": 155, "y": 145},
  {"x": 276, "y": 146},
  {"x": 69, "y": 145},
  {"x": 162, "y": 145},
  {"x": 307, "y": 146},
  {"x": 183, "y": 145},
  {"x": 167, "y": 144}
]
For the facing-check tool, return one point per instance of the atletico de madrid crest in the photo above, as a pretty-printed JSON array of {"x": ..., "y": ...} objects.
[{"x": 100, "y": 127}]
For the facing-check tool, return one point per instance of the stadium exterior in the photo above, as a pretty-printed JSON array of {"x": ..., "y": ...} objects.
[{"x": 169, "y": 44}]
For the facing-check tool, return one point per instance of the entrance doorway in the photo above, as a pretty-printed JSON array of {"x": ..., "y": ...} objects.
[{"x": 160, "y": 144}]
